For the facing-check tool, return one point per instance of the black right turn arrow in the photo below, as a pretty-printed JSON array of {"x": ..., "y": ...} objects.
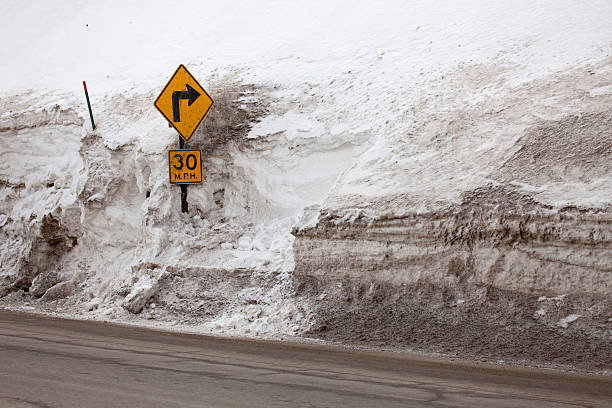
[{"x": 190, "y": 94}]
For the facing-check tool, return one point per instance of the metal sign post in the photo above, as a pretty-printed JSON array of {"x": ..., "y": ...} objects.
[
  {"x": 184, "y": 203},
  {"x": 185, "y": 104},
  {"x": 184, "y": 168}
]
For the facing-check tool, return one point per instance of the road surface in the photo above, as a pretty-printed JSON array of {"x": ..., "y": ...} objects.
[{"x": 48, "y": 363}]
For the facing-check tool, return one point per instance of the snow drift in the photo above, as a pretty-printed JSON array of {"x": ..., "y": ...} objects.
[{"x": 444, "y": 166}]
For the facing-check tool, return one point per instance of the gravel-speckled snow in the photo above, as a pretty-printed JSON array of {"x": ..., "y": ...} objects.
[{"x": 352, "y": 90}]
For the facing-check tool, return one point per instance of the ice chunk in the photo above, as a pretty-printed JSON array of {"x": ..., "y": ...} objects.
[
  {"x": 245, "y": 243},
  {"x": 568, "y": 319},
  {"x": 43, "y": 282},
  {"x": 140, "y": 294},
  {"x": 59, "y": 291}
]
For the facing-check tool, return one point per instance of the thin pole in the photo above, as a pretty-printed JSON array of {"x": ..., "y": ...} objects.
[
  {"x": 184, "y": 204},
  {"x": 93, "y": 125}
]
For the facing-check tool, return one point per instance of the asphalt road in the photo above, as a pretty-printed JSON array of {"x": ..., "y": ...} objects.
[{"x": 52, "y": 363}]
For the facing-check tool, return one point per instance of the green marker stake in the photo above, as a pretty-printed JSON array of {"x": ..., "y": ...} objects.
[{"x": 93, "y": 125}]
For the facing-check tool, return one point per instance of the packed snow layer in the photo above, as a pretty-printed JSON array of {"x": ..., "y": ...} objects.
[
  {"x": 327, "y": 114},
  {"x": 386, "y": 49}
]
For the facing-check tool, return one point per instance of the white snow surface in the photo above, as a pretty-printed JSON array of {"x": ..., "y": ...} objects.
[
  {"x": 351, "y": 84},
  {"x": 119, "y": 45}
]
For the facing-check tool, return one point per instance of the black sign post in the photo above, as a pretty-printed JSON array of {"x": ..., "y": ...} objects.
[
  {"x": 185, "y": 118},
  {"x": 184, "y": 204}
]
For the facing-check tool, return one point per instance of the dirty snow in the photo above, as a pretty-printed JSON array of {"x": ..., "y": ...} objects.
[{"x": 354, "y": 93}]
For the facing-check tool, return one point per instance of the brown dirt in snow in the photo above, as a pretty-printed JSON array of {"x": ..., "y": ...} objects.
[
  {"x": 482, "y": 323},
  {"x": 577, "y": 148}
]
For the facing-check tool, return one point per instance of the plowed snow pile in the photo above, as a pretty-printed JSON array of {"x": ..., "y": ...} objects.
[{"x": 406, "y": 175}]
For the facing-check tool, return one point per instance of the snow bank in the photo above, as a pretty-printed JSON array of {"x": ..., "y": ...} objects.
[{"x": 335, "y": 111}]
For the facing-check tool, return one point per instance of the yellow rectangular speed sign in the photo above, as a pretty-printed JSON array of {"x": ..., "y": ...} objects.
[{"x": 185, "y": 166}]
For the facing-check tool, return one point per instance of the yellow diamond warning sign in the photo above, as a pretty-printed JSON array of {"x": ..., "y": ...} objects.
[
  {"x": 185, "y": 166},
  {"x": 184, "y": 102}
]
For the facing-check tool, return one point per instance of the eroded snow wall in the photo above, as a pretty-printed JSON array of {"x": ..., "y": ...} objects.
[
  {"x": 478, "y": 224},
  {"x": 95, "y": 209},
  {"x": 461, "y": 144},
  {"x": 511, "y": 190}
]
